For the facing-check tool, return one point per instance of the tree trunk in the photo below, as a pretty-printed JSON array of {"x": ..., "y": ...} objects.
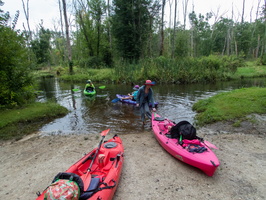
[
  {"x": 61, "y": 17},
  {"x": 27, "y": 15},
  {"x": 98, "y": 37},
  {"x": 170, "y": 10},
  {"x": 258, "y": 47},
  {"x": 263, "y": 45},
  {"x": 228, "y": 41},
  {"x": 185, "y": 4},
  {"x": 83, "y": 28},
  {"x": 65, "y": 57},
  {"x": 174, "y": 34},
  {"x": 170, "y": 35},
  {"x": 253, "y": 32},
  {"x": 108, "y": 25},
  {"x": 68, "y": 38},
  {"x": 162, "y": 31},
  {"x": 243, "y": 12}
]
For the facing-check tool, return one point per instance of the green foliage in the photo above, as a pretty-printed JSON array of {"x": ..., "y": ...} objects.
[
  {"x": 201, "y": 32},
  {"x": 165, "y": 70},
  {"x": 181, "y": 70},
  {"x": 231, "y": 105},
  {"x": 131, "y": 27},
  {"x": 81, "y": 75},
  {"x": 244, "y": 31},
  {"x": 263, "y": 59},
  {"x": 91, "y": 62},
  {"x": 182, "y": 44},
  {"x": 41, "y": 46},
  {"x": 3, "y": 16},
  {"x": 14, "y": 69}
]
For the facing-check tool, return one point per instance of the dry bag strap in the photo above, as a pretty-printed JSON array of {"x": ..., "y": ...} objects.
[{"x": 102, "y": 188}]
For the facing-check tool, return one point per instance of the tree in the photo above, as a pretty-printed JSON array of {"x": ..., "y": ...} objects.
[
  {"x": 201, "y": 32},
  {"x": 14, "y": 66},
  {"x": 222, "y": 36},
  {"x": 98, "y": 9},
  {"x": 131, "y": 27},
  {"x": 92, "y": 42},
  {"x": 41, "y": 46}
]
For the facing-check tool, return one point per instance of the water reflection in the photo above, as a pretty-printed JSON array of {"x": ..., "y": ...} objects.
[{"x": 92, "y": 115}]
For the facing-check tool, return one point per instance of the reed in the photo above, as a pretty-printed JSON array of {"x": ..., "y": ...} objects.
[
  {"x": 164, "y": 70},
  {"x": 186, "y": 70}
]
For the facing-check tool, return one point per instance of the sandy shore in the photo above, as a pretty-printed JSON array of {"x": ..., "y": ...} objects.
[{"x": 149, "y": 172}]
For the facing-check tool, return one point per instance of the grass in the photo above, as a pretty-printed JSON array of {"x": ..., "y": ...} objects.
[
  {"x": 14, "y": 123},
  {"x": 231, "y": 105},
  {"x": 251, "y": 70},
  {"x": 81, "y": 75}
]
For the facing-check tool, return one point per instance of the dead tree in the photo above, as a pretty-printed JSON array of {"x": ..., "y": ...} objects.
[
  {"x": 243, "y": 12},
  {"x": 27, "y": 15},
  {"x": 174, "y": 34},
  {"x": 185, "y": 4},
  {"x": 162, "y": 30},
  {"x": 70, "y": 62}
]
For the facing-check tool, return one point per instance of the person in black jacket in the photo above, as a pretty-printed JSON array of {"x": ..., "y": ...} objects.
[{"x": 144, "y": 98}]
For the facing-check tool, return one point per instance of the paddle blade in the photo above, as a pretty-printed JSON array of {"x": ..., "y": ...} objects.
[
  {"x": 75, "y": 90},
  {"x": 115, "y": 100},
  {"x": 87, "y": 179},
  {"x": 105, "y": 132},
  {"x": 210, "y": 145},
  {"x": 102, "y": 87}
]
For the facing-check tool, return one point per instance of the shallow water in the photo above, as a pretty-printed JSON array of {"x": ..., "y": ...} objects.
[{"x": 92, "y": 115}]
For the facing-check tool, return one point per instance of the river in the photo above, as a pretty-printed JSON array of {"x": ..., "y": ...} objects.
[{"x": 92, "y": 115}]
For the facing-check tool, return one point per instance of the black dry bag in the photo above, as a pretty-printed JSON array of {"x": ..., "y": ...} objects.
[{"x": 184, "y": 128}]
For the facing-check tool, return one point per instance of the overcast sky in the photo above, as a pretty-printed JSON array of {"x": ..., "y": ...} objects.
[{"x": 48, "y": 11}]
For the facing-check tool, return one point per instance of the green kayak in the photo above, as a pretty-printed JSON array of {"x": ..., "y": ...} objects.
[{"x": 89, "y": 92}]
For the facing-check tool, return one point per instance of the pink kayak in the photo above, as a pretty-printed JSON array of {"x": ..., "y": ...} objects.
[{"x": 194, "y": 152}]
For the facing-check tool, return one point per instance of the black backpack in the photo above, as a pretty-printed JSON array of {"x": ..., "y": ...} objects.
[{"x": 184, "y": 128}]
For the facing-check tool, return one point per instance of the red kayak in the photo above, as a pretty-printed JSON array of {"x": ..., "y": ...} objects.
[
  {"x": 96, "y": 174},
  {"x": 194, "y": 152}
]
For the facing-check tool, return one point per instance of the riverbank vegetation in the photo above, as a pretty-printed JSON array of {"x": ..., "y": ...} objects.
[
  {"x": 114, "y": 47},
  {"x": 163, "y": 71},
  {"x": 231, "y": 106},
  {"x": 14, "y": 123}
]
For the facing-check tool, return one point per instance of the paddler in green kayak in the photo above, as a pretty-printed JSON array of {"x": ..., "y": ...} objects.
[{"x": 89, "y": 86}]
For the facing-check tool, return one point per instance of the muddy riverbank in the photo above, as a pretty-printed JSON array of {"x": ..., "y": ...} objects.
[{"x": 28, "y": 165}]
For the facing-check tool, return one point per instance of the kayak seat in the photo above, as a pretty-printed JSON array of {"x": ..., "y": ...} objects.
[
  {"x": 89, "y": 89},
  {"x": 168, "y": 135},
  {"x": 90, "y": 190},
  {"x": 159, "y": 119}
]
